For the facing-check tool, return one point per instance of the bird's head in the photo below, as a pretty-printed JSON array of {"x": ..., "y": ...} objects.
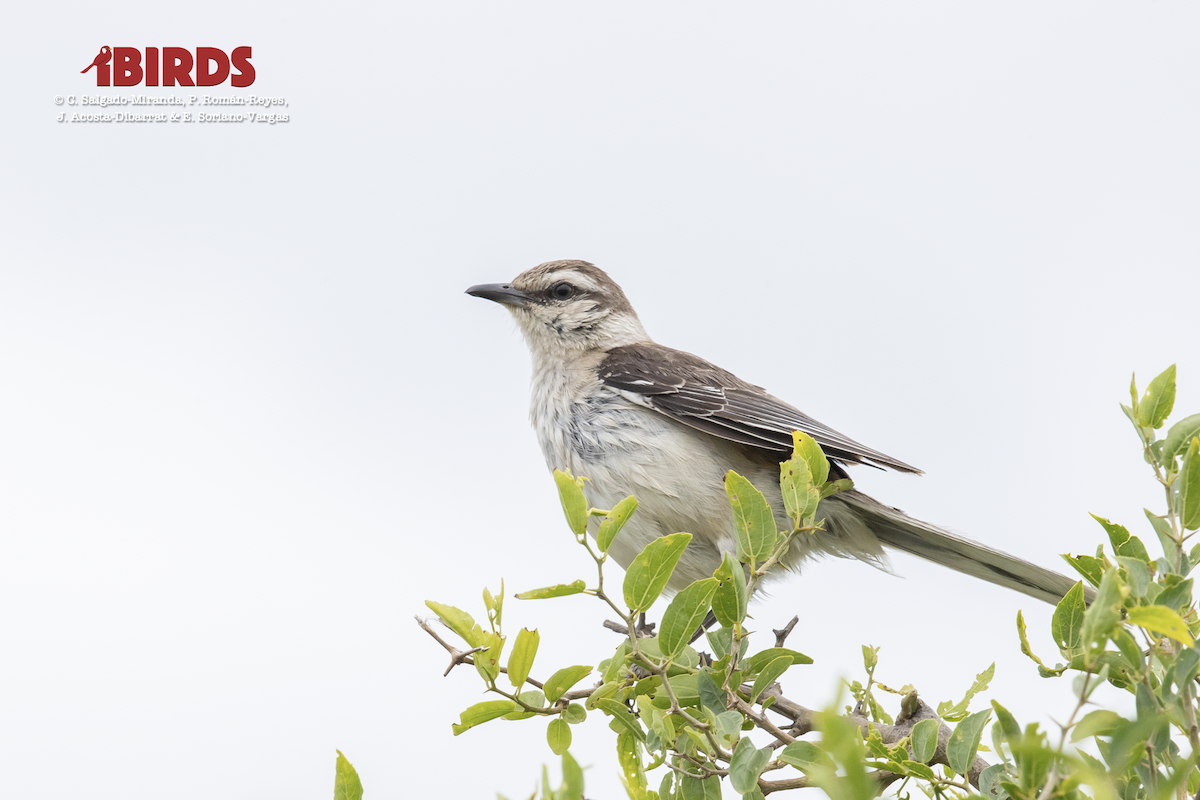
[{"x": 565, "y": 307}]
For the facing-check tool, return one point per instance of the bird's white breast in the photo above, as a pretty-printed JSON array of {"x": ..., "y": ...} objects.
[{"x": 677, "y": 474}]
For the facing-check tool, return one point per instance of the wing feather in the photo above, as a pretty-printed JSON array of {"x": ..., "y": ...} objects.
[{"x": 705, "y": 397}]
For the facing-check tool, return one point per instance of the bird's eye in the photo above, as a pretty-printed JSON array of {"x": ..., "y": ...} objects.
[{"x": 563, "y": 291}]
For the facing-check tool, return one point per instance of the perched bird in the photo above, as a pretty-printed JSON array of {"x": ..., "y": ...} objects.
[
  {"x": 639, "y": 418},
  {"x": 101, "y": 59}
]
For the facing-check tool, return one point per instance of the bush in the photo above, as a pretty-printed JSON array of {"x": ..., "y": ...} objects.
[{"x": 688, "y": 717}]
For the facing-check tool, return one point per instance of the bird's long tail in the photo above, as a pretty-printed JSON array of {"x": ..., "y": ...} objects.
[{"x": 896, "y": 529}]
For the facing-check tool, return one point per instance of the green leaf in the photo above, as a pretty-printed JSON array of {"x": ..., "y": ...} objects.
[
  {"x": 558, "y": 736},
  {"x": 747, "y": 764},
  {"x": 1175, "y": 595},
  {"x": 1161, "y": 620},
  {"x": 721, "y": 642},
  {"x": 456, "y": 620},
  {"x": 1180, "y": 434},
  {"x": 1129, "y": 648},
  {"x": 1127, "y": 746},
  {"x": 770, "y": 673},
  {"x": 756, "y": 531},
  {"x": 730, "y": 599},
  {"x": 761, "y": 659},
  {"x": 1188, "y": 484},
  {"x": 575, "y": 714},
  {"x": 693, "y": 788},
  {"x": 802, "y": 476},
  {"x": 1043, "y": 670},
  {"x": 494, "y": 605},
  {"x": 806, "y": 757},
  {"x": 841, "y": 739},
  {"x": 1156, "y": 404},
  {"x": 1100, "y": 722},
  {"x": 617, "y": 666},
  {"x": 919, "y": 770},
  {"x": 870, "y": 657},
  {"x": 686, "y": 688},
  {"x": 572, "y": 788},
  {"x": 964, "y": 741},
  {"x": 1091, "y": 568},
  {"x": 1137, "y": 575},
  {"x": 558, "y": 683},
  {"x": 989, "y": 782},
  {"x": 953, "y": 712},
  {"x": 487, "y": 660},
  {"x": 612, "y": 523},
  {"x": 649, "y": 572},
  {"x": 1006, "y": 721},
  {"x": 1186, "y": 667},
  {"x": 533, "y": 698},
  {"x": 1067, "y": 622},
  {"x": 729, "y": 724},
  {"x": 481, "y": 713},
  {"x": 621, "y": 713},
  {"x": 833, "y": 487},
  {"x": 806, "y": 447},
  {"x": 712, "y": 697},
  {"x": 1123, "y": 544},
  {"x": 925, "y": 739},
  {"x": 684, "y": 615},
  {"x": 633, "y": 771},
  {"x": 559, "y": 590},
  {"x": 575, "y": 505},
  {"x": 1104, "y": 614},
  {"x": 521, "y": 659},
  {"x": 346, "y": 785}
]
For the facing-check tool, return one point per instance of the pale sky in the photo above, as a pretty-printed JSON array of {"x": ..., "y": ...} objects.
[{"x": 251, "y": 422}]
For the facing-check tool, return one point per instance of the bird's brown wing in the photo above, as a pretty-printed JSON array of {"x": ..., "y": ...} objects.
[{"x": 703, "y": 396}]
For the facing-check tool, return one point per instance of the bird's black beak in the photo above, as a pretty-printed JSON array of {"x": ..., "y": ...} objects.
[{"x": 503, "y": 293}]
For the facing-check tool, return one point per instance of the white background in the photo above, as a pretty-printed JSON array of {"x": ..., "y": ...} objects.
[{"x": 249, "y": 422}]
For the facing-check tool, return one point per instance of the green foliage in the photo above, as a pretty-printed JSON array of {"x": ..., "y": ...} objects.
[
  {"x": 964, "y": 742},
  {"x": 925, "y": 740},
  {"x": 1158, "y": 401},
  {"x": 346, "y": 785},
  {"x": 521, "y": 659},
  {"x": 558, "y": 736},
  {"x": 684, "y": 615},
  {"x": 558, "y": 590},
  {"x": 802, "y": 476},
  {"x": 753, "y": 518},
  {"x": 684, "y": 725},
  {"x": 558, "y": 683},
  {"x": 746, "y": 765},
  {"x": 575, "y": 507},
  {"x": 953, "y": 712},
  {"x": 1189, "y": 487},
  {"x": 1180, "y": 436},
  {"x": 730, "y": 598},
  {"x": 613, "y": 521},
  {"x": 651, "y": 569},
  {"x": 481, "y": 713}
]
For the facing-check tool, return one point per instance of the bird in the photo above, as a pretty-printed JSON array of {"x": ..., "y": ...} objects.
[
  {"x": 637, "y": 417},
  {"x": 101, "y": 59}
]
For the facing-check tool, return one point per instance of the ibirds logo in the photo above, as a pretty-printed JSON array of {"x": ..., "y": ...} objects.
[{"x": 175, "y": 66}]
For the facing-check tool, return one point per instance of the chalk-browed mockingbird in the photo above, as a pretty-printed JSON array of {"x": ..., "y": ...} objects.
[{"x": 639, "y": 418}]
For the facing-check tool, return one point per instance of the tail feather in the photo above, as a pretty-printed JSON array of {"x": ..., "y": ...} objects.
[{"x": 896, "y": 529}]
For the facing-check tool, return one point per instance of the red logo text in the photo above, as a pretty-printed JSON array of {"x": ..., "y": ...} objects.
[{"x": 126, "y": 66}]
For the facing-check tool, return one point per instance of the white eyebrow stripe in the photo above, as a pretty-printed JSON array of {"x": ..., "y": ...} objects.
[{"x": 578, "y": 278}]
